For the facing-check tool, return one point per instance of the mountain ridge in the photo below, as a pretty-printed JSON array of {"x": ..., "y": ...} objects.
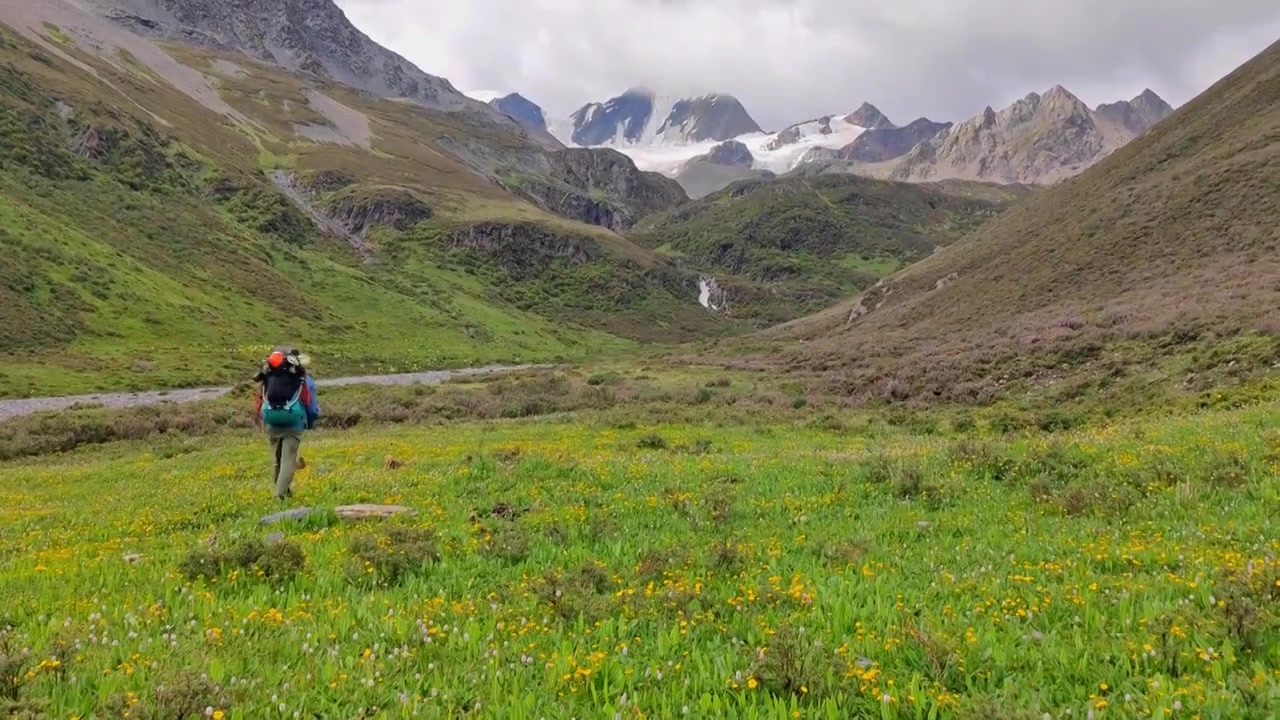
[
  {"x": 1039, "y": 138},
  {"x": 1157, "y": 262}
]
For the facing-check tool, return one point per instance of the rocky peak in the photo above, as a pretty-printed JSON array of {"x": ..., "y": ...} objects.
[
  {"x": 710, "y": 117},
  {"x": 730, "y": 152},
  {"x": 640, "y": 117},
  {"x": 522, "y": 110},
  {"x": 1151, "y": 107},
  {"x": 1058, "y": 98},
  {"x": 868, "y": 116},
  {"x": 1134, "y": 116}
]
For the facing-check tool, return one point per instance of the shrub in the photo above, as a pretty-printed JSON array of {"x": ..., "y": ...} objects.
[
  {"x": 389, "y": 558},
  {"x": 793, "y": 665},
  {"x": 277, "y": 561},
  {"x": 652, "y": 441}
]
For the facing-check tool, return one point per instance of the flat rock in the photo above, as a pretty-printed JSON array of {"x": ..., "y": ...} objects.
[
  {"x": 364, "y": 510},
  {"x": 290, "y": 514}
]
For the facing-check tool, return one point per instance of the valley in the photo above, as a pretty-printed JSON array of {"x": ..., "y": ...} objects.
[{"x": 646, "y": 411}]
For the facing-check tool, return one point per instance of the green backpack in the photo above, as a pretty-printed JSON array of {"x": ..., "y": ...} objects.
[{"x": 290, "y": 415}]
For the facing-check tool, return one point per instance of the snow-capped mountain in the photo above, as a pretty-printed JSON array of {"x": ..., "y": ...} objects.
[
  {"x": 639, "y": 117},
  {"x": 670, "y": 135},
  {"x": 829, "y": 131},
  {"x": 706, "y": 142}
]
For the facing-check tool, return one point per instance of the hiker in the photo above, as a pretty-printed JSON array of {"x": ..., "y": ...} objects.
[{"x": 285, "y": 405}]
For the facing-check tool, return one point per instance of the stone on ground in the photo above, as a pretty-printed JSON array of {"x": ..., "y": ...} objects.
[{"x": 364, "y": 510}]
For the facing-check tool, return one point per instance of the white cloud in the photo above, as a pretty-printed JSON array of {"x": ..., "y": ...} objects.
[{"x": 789, "y": 60}]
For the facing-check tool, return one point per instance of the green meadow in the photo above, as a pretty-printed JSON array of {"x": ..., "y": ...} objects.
[{"x": 586, "y": 565}]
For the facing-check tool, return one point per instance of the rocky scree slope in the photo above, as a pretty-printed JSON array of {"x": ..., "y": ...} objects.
[{"x": 1158, "y": 262}]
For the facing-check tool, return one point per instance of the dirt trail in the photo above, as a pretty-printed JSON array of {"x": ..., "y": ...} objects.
[{"x": 25, "y": 406}]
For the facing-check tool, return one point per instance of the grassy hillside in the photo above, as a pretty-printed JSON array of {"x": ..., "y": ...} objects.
[
  {"x": 1162, "y": 258},
  {"x": 788, "y": 246},
  {"x": 166, "y": 214}
]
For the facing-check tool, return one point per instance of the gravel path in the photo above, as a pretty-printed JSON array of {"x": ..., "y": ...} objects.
[{"x": 25, "y": 406}]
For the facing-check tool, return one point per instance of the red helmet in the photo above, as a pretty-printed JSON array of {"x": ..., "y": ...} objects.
[{"x": 275, "y": 359}]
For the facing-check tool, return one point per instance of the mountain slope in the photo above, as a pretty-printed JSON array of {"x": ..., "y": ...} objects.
[
  {"x": 1170, "y": 241},
  {"x": 168, "y": 211},
  {"x": 783, "y": 247},
  {"x": 309, "y": 35},
  {"x": 1038, "y": 139}
]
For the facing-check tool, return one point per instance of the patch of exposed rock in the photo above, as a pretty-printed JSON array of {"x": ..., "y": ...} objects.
[
  {"x": 524, "y": 248},
  {"x": 358, "y": 210},
  {"x": 323, "y": 181},
  {"x": 338, "y": 207}
]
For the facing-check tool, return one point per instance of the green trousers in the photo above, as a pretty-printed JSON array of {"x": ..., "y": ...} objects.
[{"x": 284, "y": 446}]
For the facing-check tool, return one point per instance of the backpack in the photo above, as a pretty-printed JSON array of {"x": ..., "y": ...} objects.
[{"x": 282, "y": 410}]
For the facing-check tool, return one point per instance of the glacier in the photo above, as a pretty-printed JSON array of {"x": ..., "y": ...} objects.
[{"x": 658, "y": 153}]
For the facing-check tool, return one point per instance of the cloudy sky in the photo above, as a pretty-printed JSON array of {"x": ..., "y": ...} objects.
[{"x": 790, "y": 60}]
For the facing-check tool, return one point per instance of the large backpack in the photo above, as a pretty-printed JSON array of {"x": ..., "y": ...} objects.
[{"x": 281, "y": 408}]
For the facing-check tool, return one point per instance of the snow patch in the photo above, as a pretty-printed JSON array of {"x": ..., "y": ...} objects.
[{"x": 662, "y": 107}]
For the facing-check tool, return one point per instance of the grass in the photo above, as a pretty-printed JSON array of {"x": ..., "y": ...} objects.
[
  {"x": 876, "y": 266},
  {"x": 593, "y": 566},
  {"x": 55, "y": 33}
]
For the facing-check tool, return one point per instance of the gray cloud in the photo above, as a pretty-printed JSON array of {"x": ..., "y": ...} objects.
[{"x": 789, "y": 60}]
